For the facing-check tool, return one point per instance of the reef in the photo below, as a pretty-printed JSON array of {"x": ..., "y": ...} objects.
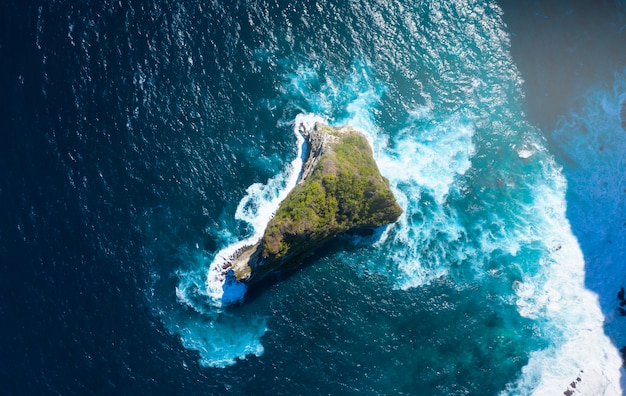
[{"x": 340, "y": 191}]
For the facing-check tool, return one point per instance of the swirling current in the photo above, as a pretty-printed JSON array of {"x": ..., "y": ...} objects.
[{"x": 146, "y": 141}]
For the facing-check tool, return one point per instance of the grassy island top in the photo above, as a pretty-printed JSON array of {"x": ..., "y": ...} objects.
[{"x": 344, "y": 192}]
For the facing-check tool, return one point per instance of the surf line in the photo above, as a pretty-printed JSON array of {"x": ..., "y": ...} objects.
[{"x": 265, "y": 200}]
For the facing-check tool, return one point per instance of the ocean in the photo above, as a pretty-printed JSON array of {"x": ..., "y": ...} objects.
[{"x": 144, "y": 142}]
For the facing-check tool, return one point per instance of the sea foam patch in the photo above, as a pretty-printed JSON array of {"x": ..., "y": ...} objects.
[
  {"x": 221, "y": 337},
  {"x": 591, "y": 143},
  {"x": 425, "y": 162},
  {"x": 422, "y": 163},
  {"x": 569, "y": 315},
  {"x": 257, "y": 208},
  {"x": 427, "y": 157}
]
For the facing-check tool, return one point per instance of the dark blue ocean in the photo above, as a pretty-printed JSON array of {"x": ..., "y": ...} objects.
[{"x": 143, "y": 142}]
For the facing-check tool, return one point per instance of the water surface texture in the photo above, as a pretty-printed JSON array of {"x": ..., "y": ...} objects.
[{"x": 143, "y": 143}]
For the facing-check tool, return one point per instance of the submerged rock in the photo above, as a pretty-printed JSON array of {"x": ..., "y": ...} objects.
[{"x": 340, "y": 190}]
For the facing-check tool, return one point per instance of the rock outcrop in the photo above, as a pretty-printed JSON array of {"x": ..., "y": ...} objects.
[{"x": 340, "y": 190}]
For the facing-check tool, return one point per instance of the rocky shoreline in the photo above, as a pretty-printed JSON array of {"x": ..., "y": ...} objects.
[
  {"x": 339, "y": 190},
  {"x": 240, "y": 261}
]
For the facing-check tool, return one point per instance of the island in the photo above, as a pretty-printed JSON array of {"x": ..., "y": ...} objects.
[{"x": 340, "y": 191}]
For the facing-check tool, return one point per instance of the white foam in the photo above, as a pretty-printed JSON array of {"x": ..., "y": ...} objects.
[
  {"x": 221, "y": 340},
  {"x": 593, "y": 146},
  {"x": 433, "y": 156},
  {"x": 525, "y": 152},
  {"x": 424, "y": 163},
  {"x": 427, "y": 158},
  {"x": 220, "y": 337},
  {"x": 257, "y": 208},
  {"x": 555, "y": 296}
]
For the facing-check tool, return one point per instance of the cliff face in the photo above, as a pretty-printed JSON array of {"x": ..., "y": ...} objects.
[{"x": 340, "y": 190}]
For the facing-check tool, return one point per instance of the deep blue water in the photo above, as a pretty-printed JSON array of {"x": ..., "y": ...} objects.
[{"x": 142, "y": 142}]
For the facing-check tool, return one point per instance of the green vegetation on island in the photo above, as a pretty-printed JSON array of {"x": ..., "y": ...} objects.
[{"x": 342, "y": 191}]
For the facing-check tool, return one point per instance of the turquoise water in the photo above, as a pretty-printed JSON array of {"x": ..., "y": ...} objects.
[
  {"x": 478, "y": 288},
  {"x": 165, "y": 135}
]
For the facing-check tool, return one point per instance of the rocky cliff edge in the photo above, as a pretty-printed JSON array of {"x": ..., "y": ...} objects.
[{"x": 340, "y": 190}]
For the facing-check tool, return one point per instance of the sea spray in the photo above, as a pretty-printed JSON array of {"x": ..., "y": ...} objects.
[
  {"x": 430, "y": 165},
  {"x": 591, "y": 143},
  {"x": 555, "y": 296},
  {"x": 257, "y": 208},
  {"x": 439, "y": 98},
  {"x": 219, "y": 335},
  {"x": 422, "y": 162},
  {"x": 141, "y": 122}
]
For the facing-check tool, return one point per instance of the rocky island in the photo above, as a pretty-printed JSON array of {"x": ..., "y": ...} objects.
[{"x": 340, "y": 190}]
